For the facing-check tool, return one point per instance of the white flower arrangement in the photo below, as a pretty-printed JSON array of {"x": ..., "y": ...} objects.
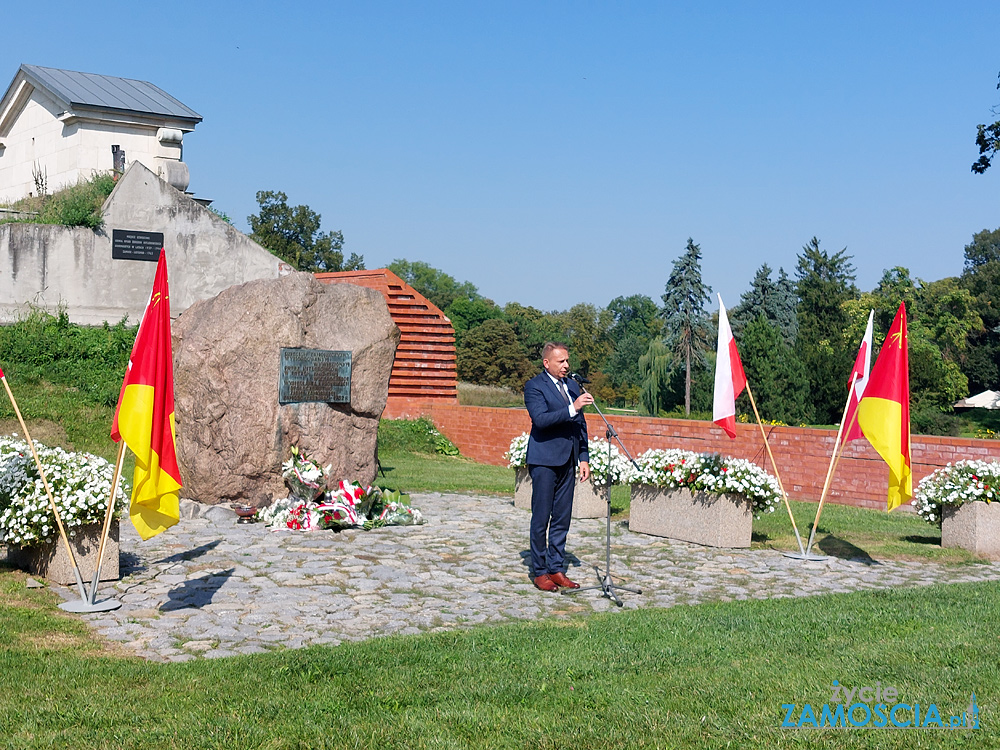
[
  {"x": 517, "y": 454},
  {"x": 607, "y": 464},
  {"x": 80, "y": 484},
  {"x": 956, "y": 484},
  {"x": 602, "y": 469},
  {"x": 707, "y": 472},
  {"x": 276, "y": 514},
  {"x": 304, "y": 478}
]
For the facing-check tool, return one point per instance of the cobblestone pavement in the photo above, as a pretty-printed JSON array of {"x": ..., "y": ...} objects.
[{"x": 209, "y": 587}]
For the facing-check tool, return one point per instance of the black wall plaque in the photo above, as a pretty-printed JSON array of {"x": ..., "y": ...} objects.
[
  {"x": 314, "y": 375},
  {"x": 130, "y": 244}
]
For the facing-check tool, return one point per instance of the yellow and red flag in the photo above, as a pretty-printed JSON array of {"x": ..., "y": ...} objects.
[
  {"x": 144, "y": 418},
  {"x": 884, "y": 410}
]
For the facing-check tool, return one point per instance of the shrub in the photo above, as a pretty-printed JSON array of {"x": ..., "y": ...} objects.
[
  {"x": 48, "y": 347},
  {"x": 75, "y": 206}
]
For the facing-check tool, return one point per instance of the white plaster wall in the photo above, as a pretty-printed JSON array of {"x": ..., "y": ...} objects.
[
  {"x": 49, "y": 266},
  {"x": 70, "y": 152},
  {"x": 36, "y": 135}
]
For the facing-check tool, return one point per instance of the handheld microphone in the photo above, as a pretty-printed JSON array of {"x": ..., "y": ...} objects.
[{"x": 579, "y": 378}]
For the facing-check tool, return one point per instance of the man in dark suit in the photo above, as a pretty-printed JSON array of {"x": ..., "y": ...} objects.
[{"x": 558, "y": 441}]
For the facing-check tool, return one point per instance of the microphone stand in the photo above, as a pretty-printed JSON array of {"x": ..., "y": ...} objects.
[{"x": 605, "y": 581}]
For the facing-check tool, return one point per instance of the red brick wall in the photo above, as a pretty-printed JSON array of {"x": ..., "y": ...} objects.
[{"x": 802, "y": 454}]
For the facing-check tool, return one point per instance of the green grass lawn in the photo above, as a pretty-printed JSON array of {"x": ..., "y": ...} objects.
[
  {"x": 425, "y": 472},
  {"x": 56, "y": 415},
  {"x": 857, "y": 533},
  {"x": 713, "y": 675}
]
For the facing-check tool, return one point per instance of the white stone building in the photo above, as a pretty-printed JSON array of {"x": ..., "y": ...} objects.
[{"x": 60, "y": 126}]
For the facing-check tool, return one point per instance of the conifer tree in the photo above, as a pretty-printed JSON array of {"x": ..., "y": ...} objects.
[
  {"x": 825, "y": 282},
  {"x": 780, "y": 383},
  {"x": 775, "y": 300},
  {"x": 686, "y": 325}
]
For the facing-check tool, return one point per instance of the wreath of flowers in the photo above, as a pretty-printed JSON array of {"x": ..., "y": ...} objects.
[{"x": 312, "y": 505}]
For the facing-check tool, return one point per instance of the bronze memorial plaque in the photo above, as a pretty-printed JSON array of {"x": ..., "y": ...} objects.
[{"x": 314, "y": 375}]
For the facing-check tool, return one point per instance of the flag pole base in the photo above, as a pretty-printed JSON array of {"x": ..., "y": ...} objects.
[
  {"x": 806, "y": 557},
  {"x": 81, "y": 605}
]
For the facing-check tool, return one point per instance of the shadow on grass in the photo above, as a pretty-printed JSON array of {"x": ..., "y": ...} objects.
[
  {"x": 836, "y": 547},
  {"x": 921, "y": 539},
  {"x": 196, "y": 592}
]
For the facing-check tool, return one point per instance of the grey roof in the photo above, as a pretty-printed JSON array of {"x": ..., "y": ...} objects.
[{"x": 108, "y": 92}]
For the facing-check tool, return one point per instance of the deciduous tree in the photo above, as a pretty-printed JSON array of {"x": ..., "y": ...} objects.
[
  {"x": 437, "y": 286},
  {"x": 988, "y": 141},
  {"x": 982, "y": 278},
  {"x": 636, "y": 315},
  {"x": 533, "y": 328},
  {"x": 466, "y": 314},
  {"x": 293, "y": 234},
  {"x": 656, "y": 367},
  {"x": 585, "y": 329},
  {"x": 492, "y": 355}
]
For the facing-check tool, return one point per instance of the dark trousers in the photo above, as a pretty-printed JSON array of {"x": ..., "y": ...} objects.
[{"x": 551, "y": 509}]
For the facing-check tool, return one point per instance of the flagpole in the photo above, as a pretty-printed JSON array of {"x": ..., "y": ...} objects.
[
  {"x": 834, "y": 459},
  {"x": 767, "y": 447},
  {"x": 840, "y": 454},
  {"x": 48, "y": 491},
  {"x": 109, "y": 514}
]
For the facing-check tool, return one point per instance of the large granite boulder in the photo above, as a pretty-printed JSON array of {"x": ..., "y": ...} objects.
[{"x": 232, "y": 435}]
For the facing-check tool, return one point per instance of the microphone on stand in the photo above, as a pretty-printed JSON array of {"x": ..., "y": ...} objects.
[{"x": 579, "y": 378}]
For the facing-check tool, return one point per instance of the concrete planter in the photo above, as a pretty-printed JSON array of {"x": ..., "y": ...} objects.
[
  {"x": 522, "y": 489},
  {"x": 702, "y": 518},
  {"x": 51, "y": 561},
  {"x": 588, "y": 501},
  {"x": 973, "y": 526}
]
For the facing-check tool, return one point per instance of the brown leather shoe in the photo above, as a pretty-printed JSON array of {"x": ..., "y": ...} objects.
[
  {"x": 545, "y": 583},
  {"x": 560, "y": 579}
]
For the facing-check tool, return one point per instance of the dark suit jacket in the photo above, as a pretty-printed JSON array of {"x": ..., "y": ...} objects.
[{"x": 555, "y": 436}]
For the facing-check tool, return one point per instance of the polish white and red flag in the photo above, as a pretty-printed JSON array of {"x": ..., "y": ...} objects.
[
  {"x": 859, "y": 377},
  {"x": 729, "y": 377}
]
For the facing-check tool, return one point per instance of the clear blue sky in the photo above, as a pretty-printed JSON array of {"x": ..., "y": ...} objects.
[{"x": 561, "y": 152}]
